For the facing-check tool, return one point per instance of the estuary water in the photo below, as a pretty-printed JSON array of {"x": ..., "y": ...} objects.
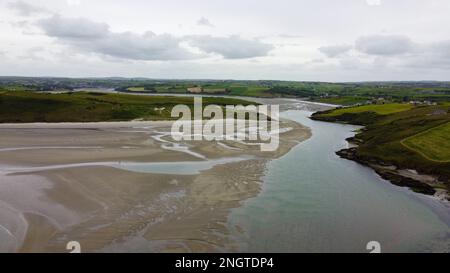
[{"x": 314, "y": 201}]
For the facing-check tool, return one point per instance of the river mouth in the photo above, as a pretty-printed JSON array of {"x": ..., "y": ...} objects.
[
  {"x": 314, "y": 201},
  {"x": 310, "y": 199}
]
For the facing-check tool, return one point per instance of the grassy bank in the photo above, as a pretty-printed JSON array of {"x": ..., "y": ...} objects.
[
  {"x": 379, "y": 109},
  {"x": 19, "y": 106},
  {"x": 409, "y": 137},
  {"x": 342, "y": 100}
]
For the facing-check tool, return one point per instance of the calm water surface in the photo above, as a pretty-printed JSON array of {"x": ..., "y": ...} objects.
[{"x": 313, "y": 201}]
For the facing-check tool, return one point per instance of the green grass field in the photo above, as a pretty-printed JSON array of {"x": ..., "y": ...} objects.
[
  {"x": 249, "y": 91},
  {"x": 417, "y": 138},
  {"x": 136, "y": 89},
  {"x": 347, "y": 100},
  {"x": 380, "y": 109},
  {"x": 433, "y": 144},
  {"x": 90, "y": 107}
]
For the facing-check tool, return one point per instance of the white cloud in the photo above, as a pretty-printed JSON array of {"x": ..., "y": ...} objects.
[
  {"x": 34, "y": 53},
  {"x": 432, "y": 55},
  {"x": 335, "y": 51},
  {"x": 90, "y": 36},
  {"x": 290, "y": 36},
  {"x": 391, "y": 52},
  {"x": 25, "y": 9},
  {"x": 373, "y": 2},
  {"x": 94, "y": 37},
  {"x": 73, "y": 2},
  {"x": 122, "y": 45},
  {"x": 441, "y": 49},
  {"x": 384, "y": 45},
  {"x": 232, "y": 47}
]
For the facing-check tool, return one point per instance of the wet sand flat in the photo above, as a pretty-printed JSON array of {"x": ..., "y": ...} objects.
[{"x": 109, "y": 209}]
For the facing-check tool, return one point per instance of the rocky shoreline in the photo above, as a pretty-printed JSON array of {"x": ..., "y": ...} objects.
[{"x": 420, "y": 183}]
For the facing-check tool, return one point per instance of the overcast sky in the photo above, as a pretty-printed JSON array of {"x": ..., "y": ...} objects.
[{"x": 314, "y": 40}]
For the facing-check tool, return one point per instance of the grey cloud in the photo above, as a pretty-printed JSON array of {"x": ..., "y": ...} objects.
[
  {"x": 204, "y": 22},
  {"x": 441, "y": 49},
  {"x": 25, "y": 9},
  {"x": 335, "y": 51},
  {"x": 384, "y": 45},
  {"x": 148, "y": 46},
  {"x": 232, "y": 47},
  {"x": 76, "y": 28},
  {"x": 435, "y": 55},
  {"x": 20, "y": 24},
  {"x": 98, "y": 38},
  {"x": 398, "y": 51},
  {"x": 94, "y": 37}
]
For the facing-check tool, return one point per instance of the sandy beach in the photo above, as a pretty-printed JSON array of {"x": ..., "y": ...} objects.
[{"x": 96, "y": 183}]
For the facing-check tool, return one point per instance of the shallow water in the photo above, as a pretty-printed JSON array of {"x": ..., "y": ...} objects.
[
  {"x": 314, "y": 201},
  {"x": 175, "y": 168},
  {"x": 179, "y": 168}
]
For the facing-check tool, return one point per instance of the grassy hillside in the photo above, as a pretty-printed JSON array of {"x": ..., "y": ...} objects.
[
  {"x": 433, "y": 144},
  {"x": 343, "y": 100},
  {"x": 21, "y": 106},
  {"x": 380, "y": 109},
  {"x": 363, "y": 115},
  {"x": 408, "y": 137}
]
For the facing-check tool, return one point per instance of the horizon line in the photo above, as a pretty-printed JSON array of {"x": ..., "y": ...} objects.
[{"x": 216, "y": 79}]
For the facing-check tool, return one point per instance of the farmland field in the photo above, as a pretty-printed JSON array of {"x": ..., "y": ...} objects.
[
  {"x": 417, "y": 138},
  {"x": 433, "y": 144},
  {"x": 22, "y": 106},
  {"x": 346, "y": 100},
  {"x": 136, "y": 89},
  {"x": 380, "y": 109}
]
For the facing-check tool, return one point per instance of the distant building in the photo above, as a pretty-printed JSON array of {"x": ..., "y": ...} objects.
[
  {"x": 423, "y": 102},
  {"x": 194, "y": 90}
]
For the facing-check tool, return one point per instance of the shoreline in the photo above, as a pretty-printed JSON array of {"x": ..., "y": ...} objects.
[
  {"x": 425, "y": 184},
  {"x": 416, "y": 179}
]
